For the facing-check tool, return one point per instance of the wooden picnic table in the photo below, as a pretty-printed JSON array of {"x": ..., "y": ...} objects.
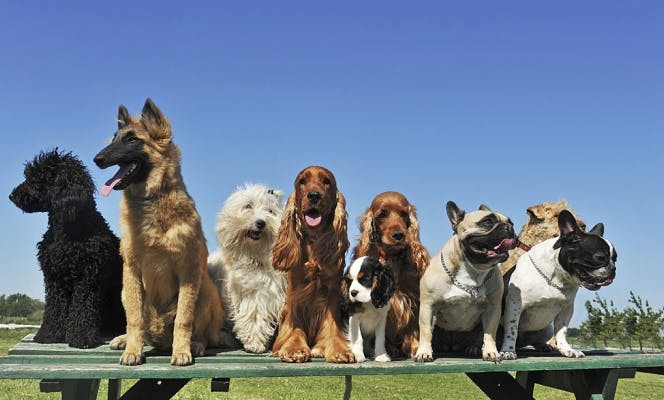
[{"x": 76, "y": 372}]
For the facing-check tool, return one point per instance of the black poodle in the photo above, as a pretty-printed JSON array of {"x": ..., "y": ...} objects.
[{"x": 79, "y": 255}]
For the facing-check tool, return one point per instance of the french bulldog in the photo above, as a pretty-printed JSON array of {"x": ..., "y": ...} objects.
[
  {"x": 540, "y": 293},
  {"x": 462, "y": 286}
]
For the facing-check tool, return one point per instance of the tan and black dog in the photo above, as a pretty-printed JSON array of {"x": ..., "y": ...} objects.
[
  {"x": 168, "y": 296},
  {"x": 462, "y": 288}
]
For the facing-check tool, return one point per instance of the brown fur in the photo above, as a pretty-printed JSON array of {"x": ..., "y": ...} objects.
[
  {"x": 314, "y": 259},
  {"x": 542, "y": 224},
  {"x": 390, "y": 213},
  {"x": 169, "y": 299}
]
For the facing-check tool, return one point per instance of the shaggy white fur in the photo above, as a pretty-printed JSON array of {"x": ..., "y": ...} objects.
[{"x": 252, "y": 292}]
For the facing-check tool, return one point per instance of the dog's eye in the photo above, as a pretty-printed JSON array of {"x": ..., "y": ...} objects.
[
  {"x": 302, "y": 181},
  {"x": 488, "y": 222},
  {"x": 248, "y": 206},
  {"x": 327, "y": 181},
  {"x": 382, "y": 214},
  {"x": 271, "y": 211}
]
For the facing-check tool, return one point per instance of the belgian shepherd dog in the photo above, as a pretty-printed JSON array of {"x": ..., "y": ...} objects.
[{"x": 169, "y": 298}]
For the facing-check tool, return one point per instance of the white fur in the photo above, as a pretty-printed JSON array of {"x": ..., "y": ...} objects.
[
  {"x": 252, "y": 292},
  {"x": 370, "y": 320},
  {"x": 532, "y": 304}
]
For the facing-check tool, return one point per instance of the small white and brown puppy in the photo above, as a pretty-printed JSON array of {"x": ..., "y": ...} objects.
[
  {"x": 367, "y": 287},
  {"x": 252, "y": 291},
  {"x": 540, "y": 292},
  {"x": 462, "y": 287}
]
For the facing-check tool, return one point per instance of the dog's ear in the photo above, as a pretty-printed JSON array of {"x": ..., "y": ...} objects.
[
  {"x": 340, "y": 228},
  {"x": 124, "y": 118},
  {"x": 569, "y": 229},
  {"x": 367, "y": 235},
  {"x": 418, "y": 254},
  {"x": 484, "y": 207},
  {"x": 598, "y": 229},
  {"x": 383, "y": 285},
  {"x": 287, "y": 250},
  {"x": 345, "y": 299},
  {"x": 155, "y": 122},
  {"x": 536, "y": 213},
  {"x": 455, "y": 214}
]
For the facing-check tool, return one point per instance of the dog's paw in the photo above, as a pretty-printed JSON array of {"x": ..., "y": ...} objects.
[
  {"x": 342, "y": 357},
  {"x": 256, "y": 348},
  {"x": 382, "y": 358},
  {"x": 423, "y": 356},
  {"x": 544, "y": 348},
  {"x": 130, "y": 358},
  {"x": 474, "y": 351},
  {"x": 182, "y": 358},
  {"x": 119, "y": 342},
  {"x": 508, "y": 355},
  {"x": 492, "y": 356},
  {"x": 197, "y": 349},
  {"x": 571, "y": 353},
  {"x": 296, "y": 356},
  {"x": 359, "y": 356}
]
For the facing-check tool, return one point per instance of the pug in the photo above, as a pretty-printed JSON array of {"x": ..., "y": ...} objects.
[
  {"x": 462, "y": 286},
  {"x": 540, "y": 293}
]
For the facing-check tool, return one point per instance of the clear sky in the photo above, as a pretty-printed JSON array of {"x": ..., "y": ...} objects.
[{"x": 507, "y": 103}]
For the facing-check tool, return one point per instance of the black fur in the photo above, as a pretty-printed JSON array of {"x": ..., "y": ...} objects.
[
  {"x": 79, "y": 255},
  {"x": 384, "y": 288}
]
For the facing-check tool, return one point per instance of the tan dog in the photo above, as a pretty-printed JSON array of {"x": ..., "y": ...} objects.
[
  {"x": 168, "y": 296},
  {"x": 542, "y": 224},
  {"x": 462, "y": 287}
]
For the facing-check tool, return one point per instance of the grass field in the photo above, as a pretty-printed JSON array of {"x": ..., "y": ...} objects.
[{"x": 430, "y": 386}]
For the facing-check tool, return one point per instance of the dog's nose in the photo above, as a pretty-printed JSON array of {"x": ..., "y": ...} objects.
[
  {"x": 99, "y": 159},
  {"x": 354, "y": 293},
  {"x": 260, "y": 224},
  {"x": 313, "y": 197},
  {"x": 398, "y": 235}
]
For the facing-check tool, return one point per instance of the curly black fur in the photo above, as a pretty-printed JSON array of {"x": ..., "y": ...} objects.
[{"x": 79, "y": 255}]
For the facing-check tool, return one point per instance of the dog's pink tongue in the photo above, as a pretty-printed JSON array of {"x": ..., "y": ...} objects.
[
  {"x": 111, "y": 183},
  {"x": 313, "y": 221},
  {"x": 506, "y": 244}
]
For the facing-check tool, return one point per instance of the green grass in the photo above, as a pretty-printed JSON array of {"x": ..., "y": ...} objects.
[{"x": 388, "y": 387}]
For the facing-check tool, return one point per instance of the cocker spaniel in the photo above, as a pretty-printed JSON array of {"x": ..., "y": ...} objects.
[
  {"x": 311, "y": 246},
  {"x": 389, "y": 231}
]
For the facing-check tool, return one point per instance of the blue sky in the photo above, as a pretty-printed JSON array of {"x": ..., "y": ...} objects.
[{"x": 506, "y": 103}]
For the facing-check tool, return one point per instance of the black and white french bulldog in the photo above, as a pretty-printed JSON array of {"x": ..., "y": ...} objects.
[
  {"x": 540, "y": 291},
  {"x": 463, "y": 287}
]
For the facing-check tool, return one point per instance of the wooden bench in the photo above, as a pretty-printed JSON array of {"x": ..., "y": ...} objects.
[{"x": 76, "y": 373}]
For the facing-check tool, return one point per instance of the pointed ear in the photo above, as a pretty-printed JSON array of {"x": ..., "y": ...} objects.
[
  {"x": 598, "y": 229},
  {"x": 484, "y": 207},
  {"x": 154, "y": 121},
  {"x": 455, "y": 214},
  {"x": 123, "y": 117},
  {"x": 567, "y": 223}
]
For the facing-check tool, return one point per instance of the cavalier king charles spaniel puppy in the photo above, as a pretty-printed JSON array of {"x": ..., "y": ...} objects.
[
  {"x": 389, "y": 231},
  {"x": 367, "y": 287},
  {"x": 311, "y": 247}
]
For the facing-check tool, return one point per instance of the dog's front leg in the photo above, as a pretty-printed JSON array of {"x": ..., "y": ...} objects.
[
  {"x": 424, "y": 350},
  {"x": 132, "y": 301},
  {"x": 490, "y": 322},
  {"x": 511, "y": 324},
  {"x": 380, "y": 353},
  {"x": 560, "y": 323},
  {"x": 332, "y": 340},
  {"x": 356, "y": 342},
  {"x": 184, "y": 318}
]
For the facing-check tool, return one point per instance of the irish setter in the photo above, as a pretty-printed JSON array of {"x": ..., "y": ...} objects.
[
  {"x": 389, "y": 230},
  {"x": 311, "y": 246}
]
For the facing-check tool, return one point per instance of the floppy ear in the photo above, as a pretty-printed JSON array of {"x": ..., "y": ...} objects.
[
  {"x": 340, "y": 228},
  {"x": 124, "y": 118},
  {"x": 598, "y": 229},
  {"x": 287, "y": 250},
  {"x": 536, "y": 213},
  {"x": 383, "y": 285},
  {"x": 417, "y": 252},
  {"x": 367, "y": 235},
  {"x": 345, "y": 300},
  {"x": 72, "y": 207},
  {"x": 155, "y": 122},
  {"x": 455, "y": 214}
]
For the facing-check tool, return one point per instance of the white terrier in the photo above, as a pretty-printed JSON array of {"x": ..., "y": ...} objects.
[{"x": 252, "y": 292}]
